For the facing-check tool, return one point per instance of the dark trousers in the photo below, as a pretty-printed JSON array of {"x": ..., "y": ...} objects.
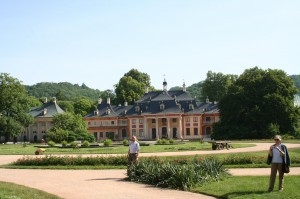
[
  {"x": 274, "y": 168},
  {"x": 132, "y": 158}
]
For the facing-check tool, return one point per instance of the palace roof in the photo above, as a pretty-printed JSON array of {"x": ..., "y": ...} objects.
[{"x": 48, "y": 109}]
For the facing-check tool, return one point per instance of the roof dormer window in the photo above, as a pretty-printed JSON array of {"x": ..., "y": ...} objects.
[
  {"x": 137, "y": 108},
  {"x": 191, "y": 106},
  {"x": 96, "y": 112},
  {"x": 44, "y": 111},
  {"x": 162, "y": 107},
  {"x": 108, "y": 111}
]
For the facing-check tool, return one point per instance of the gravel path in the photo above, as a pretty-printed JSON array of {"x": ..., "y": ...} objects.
[{"x": 109, "y": 183}]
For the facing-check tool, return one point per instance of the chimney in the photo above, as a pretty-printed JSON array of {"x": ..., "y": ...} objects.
[
  {"x": 207, "y": 100},
  {"x": 54, "y": 100},
  {"x": 147, "y": 90},
  {"x": 99, "y": 100},
  {"x": 46, "y": 100},
  {"x": 108, "y": 100},
  {"x": 125, "y": 103},
  {"x": 44, "y": 111}
]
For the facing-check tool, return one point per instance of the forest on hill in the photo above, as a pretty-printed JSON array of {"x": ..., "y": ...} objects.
[
  {"x": 65, "y": 91},
  {"x": 62, "y": 91}
]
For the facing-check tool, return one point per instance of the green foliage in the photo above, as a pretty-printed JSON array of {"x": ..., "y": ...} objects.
[
  {"x": 70, "y": 160},
  {"x": 64, "y": 143},
  {"x": 14, "y": 107},
  {"x": 51, "y": 143},
  {"x": 174, "y": 175},
  {"x": 171, "y": 141},
  {"x": 62, "y": 91},
  {"x": 68, "y": 125},
  {"x": 13, "y": 191},
  {"x": 259, "y": 104},
  {"x": 107, "y": 142},
  {"x": 158, "y": 141},
  {"x": 125, "y": 142},
  {"x": 132, "y": 86},
  {"x": 85, "y": 144},
  {"x": 67, "y": 106},
  {"x": 164, "y": 141},
  {"x": 296, "y": 79},
  {"x": 74, "y": 144},
  {"x": 83, "y": 106},
  {"x": 216, "y": 85}
]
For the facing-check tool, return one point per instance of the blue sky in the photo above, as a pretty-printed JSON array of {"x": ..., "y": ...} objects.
[{"x": 95, "y": 42}]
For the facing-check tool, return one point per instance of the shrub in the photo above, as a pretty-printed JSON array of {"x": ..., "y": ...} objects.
[
  {"x": 125, "y": 142},
  {"x": 51, "y": 143},
  {"x": 172, "y": 141},
  {"x": 74, "y": 145},
  {"x": 64, "y": 143},
  {"x": 85, "y": 144},
  {"x": 68, "y": 160},
  {"x": 164, "y": 141},
  {"x": 177, "y": 176},
  {"x": 158, "y": 141},
  {"x": 107, "y": 142}
]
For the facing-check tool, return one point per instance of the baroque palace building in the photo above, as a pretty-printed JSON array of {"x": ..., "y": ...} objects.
[
  {"x": 43, "y": 117},
  {"x": 158, "y": 114}
]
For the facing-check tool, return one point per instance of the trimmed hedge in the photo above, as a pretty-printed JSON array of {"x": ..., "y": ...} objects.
[{"x": 68, "y": 160}]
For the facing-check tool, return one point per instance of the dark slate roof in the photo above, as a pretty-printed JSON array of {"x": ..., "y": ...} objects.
[
  {"x": 173, "y": 102},
  {"x": 48, "y": 109}
]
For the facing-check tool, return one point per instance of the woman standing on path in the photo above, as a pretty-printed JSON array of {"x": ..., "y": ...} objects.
[{"x": 279, "y": 155}]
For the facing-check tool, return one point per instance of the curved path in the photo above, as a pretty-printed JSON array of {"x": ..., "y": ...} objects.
[{"x": 109, "y": 183}]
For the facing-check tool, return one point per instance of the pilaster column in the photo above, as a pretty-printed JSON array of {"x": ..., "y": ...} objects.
[
  {"x": 168, "y": 128},
  {"x": 156, "y": 123},
  {"x": 145, "y": 129},
  {"x": 180, "y": 127}
]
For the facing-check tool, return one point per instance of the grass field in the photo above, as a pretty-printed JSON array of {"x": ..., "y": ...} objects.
[
  {"x": 19, "y": 149},
  {"x": 250, "y": 187},
  {"x": 14, "y": 191}
]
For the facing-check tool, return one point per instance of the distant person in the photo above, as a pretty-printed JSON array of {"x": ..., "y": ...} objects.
[
  {"x": 279, "y": 156},
  {"x": 133, "y": 152}
]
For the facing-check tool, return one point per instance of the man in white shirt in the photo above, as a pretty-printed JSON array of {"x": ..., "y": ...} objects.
[{"x": 134, "y": 149}]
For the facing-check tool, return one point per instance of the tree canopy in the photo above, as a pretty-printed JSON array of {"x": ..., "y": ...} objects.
[
  {"x": 132, "y": 86},
  {"x": 69, "y": 127},
  {"x": 215, "y": 86},
  {"x": 14, "y": 107},
  {"x": 259, "y": 104}
]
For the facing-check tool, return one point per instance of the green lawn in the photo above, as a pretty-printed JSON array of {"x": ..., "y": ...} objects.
[
  {"x": 19, "y": 149},
  {"x": 14, "y": 191},
  {"x": 250, "y": 187}
]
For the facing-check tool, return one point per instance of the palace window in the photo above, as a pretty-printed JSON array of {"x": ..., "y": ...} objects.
[
  {"x": 174, "y": 120},
  {"x": 195, "y": 131},
  {"x": 207, "y": 119},
  {"x": 187, "y": 119},
  {"x": 188, "y": 131},
  {"x": 164, "y": 120},
  {"x": 195, "y": 119},
  {"x": 112, "y": 123},
  {"x": 133, "y": 132},
  {"x": 153, "y": 121},
  {"x": 141, "y": 133},
  {"x": 141, "y": 121},
  {"x": 133, "y": 121}
]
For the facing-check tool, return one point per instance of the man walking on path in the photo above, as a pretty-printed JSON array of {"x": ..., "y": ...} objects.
[{"x": 133, "y": 152}]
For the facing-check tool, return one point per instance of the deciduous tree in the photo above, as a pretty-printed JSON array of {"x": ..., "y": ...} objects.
[
  {"x": 259, "y": 104},
  {"x": 14, "y": 107}
]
